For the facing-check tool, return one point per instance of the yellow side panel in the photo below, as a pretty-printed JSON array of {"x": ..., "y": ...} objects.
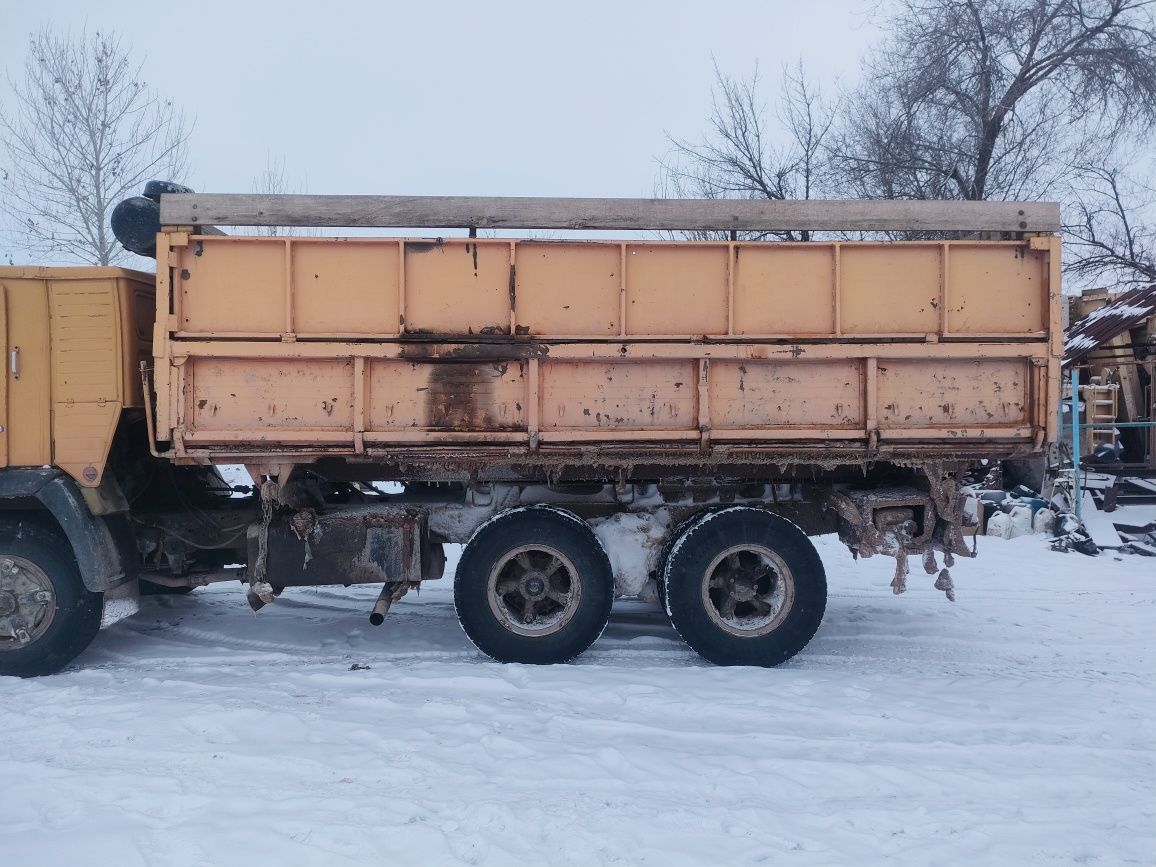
[
  {"x": 231, "y": 394},
  {"x": 889, "y": 289},
  {"x": 566, "y": 289},
  {"x": 784, "y": 290},
  {"x": 86, "y": 374},
  {"x": 233, "y": 286},
  {"x": 953, "y": 392},
  {"x": 350, "y": 288},
  {"x": 446, "y": 396},
  {"x": 460, "y": 288},
  {"x": 85, "y": 341},
  {"x": 631, "y": 395},
  {"x": 996, "y": 290},
  {"x": 358, "y": 287},
  {"x": 138, "y": 312},
  {"x": 676, "y": 290},
  {"x": 82, "y": 433},
  {"x": 29, "y": 378},
  {"x": 757, "y": 394}
]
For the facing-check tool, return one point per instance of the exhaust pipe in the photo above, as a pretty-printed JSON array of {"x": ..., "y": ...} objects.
[
  {"x": 391, "y": 591},
  {"x": 381, "y": 606}
]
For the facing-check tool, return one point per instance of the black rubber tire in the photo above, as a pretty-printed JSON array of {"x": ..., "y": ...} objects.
[
  {"x": 668, "y": 544},
  {"x": 686, "y": 568},
  {"x": 78, "y": 610},
  {"x": 491, "y": 543}
]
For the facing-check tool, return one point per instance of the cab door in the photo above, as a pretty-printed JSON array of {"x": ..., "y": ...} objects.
[{"x": 26, "y": 396}]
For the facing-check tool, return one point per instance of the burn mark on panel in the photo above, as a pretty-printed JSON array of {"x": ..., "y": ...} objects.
[
  {"x": 479, "y": 351},
  {"x": 462, "y": 397}
]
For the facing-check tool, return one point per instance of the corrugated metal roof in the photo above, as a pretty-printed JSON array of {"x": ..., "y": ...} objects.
[{"x": 1093, "y": 331}]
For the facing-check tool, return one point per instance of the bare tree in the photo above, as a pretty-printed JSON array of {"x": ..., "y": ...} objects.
[
  {"x": 749, "y": 154},
  {"x": 963, "y": 99},
  {"x": 979, "y": 99},
  {"x": 84, "y": 132},
  {"x": 1107, "y": 230}
]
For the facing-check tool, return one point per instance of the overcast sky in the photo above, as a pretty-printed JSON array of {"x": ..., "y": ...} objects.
[{"x": 497, "y": 98}]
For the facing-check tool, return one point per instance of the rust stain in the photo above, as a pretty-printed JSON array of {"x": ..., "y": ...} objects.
[
  {"x": 424, "y": 246},
  {"x": 480, "y": 351},
  {"x": 462, "y": 397}
]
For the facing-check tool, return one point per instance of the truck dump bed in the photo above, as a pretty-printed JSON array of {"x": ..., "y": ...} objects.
[{"x": 624, "y": 352}]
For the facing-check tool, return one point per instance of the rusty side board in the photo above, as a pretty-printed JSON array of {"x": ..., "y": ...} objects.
[
  {"x": 311, "y": 346},
  {"x": 76, "y": 337}
]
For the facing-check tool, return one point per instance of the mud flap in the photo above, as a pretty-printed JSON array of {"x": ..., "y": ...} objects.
[{"x": 92, "y": 539}]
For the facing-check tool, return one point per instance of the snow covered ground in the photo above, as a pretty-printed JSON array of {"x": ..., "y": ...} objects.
[{"x": 1013, "y": 727}]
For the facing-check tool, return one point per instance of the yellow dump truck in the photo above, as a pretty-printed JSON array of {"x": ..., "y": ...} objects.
[{"x": 591, "y": 418}]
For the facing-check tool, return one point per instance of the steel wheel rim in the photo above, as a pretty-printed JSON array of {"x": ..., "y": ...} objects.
[
  {"x": 534, "y": 590},
  {"x": 747, "y": 590},
  {"x": 27, "y": 602}
]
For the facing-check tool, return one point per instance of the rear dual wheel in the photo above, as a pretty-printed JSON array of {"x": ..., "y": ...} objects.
[
  {"x": 743, "y": 586},
  {"x": 534, "y": 586}
]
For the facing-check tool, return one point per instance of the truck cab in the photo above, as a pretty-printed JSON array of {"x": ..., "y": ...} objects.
[{"x": 71, "y": 339}]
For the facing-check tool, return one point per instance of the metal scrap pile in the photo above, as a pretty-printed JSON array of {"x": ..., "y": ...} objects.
[{"x": 1101, "y": 481}]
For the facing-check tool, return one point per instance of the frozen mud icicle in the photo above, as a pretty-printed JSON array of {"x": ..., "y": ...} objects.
[
  {"x": 899, "y": 582},
  {"x": 948, "y": 559},
  {"x": 929, "y": 562},
  {"x": 944, "y": 583}
]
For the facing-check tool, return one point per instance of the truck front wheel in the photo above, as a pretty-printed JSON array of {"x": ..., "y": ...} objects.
[
  {"x": 745, "y": 587},
  {"x": 534, "y": 586},
  {"x": 47, "y": 616}
]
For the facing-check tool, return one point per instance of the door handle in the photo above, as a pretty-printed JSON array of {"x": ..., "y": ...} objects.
[{"x": 15, "y": 362}]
